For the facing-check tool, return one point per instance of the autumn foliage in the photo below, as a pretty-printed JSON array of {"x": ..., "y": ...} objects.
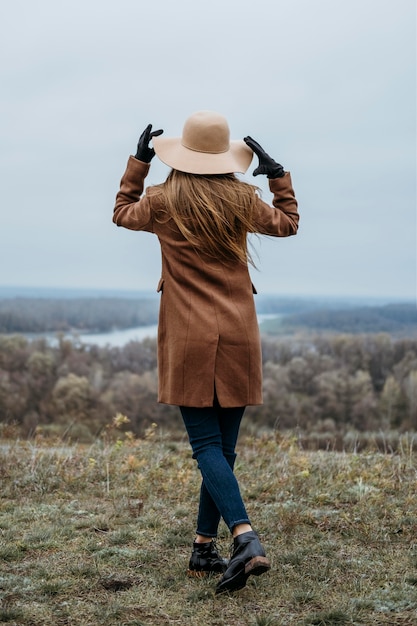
[{"x": 322, "y": 386}]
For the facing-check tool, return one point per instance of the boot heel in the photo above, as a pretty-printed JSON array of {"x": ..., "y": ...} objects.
[
  {"x": 257, "y": 566},
  {"x": 196, "y": 574}
]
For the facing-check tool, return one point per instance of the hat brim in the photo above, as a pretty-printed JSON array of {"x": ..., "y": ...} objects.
[{"x": 171, "y": 152}]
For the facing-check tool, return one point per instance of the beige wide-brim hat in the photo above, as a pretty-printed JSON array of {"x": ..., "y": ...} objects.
[{"x": 204, "y": 148}]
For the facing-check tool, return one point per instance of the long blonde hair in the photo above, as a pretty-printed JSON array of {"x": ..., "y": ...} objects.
[{"x": 214, "y": 212}]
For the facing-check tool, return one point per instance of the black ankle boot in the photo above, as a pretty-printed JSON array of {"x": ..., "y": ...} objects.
[
  {"x": 248, "y": 558},
  {"x": 206, "y": 560}
]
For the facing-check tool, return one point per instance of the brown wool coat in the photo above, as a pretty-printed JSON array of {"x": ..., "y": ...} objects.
[{"x": 208, "y": 333}]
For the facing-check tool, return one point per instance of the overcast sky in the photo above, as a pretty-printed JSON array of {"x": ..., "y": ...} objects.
[{"x": 328, "y": 87}]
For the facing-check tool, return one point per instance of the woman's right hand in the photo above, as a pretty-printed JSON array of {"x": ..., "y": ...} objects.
[{"x": 267, "y": 165}]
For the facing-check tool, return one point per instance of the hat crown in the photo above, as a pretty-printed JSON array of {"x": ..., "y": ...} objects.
[{"x": 206, "y": 131}]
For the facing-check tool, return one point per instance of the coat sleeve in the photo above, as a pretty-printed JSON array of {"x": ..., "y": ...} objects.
[
  {"x": 280, "y": 220},
  {"x": 131, "y": 210}
]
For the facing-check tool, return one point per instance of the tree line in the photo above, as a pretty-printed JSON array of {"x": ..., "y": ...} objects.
[
  {"x": 36, "y": 315},
  {"x": 102, "y": 314},
  {"x": 325, "y": 384},
  {"x": 398, "y": 318}
]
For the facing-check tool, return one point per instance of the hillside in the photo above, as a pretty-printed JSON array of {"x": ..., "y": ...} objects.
[{"x": 102, "y": 535}]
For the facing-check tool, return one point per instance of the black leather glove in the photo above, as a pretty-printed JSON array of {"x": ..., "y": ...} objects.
[
  {"x": 267, "y": 165},
  {"x": 144, "y": 152}
]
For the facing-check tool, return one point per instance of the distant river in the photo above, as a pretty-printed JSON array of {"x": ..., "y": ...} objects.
[{"x": 118, "y": 338}]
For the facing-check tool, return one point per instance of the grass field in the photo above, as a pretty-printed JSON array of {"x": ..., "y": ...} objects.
[{"x": 101, "y": 535}]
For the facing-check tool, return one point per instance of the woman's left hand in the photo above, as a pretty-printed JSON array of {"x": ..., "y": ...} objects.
[{"x": 144, "y": 152}]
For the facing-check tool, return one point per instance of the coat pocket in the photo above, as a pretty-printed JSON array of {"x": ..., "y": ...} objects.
[{"x": 160, "y": 288}]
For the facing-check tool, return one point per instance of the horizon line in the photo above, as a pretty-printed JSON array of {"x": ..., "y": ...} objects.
[{"x": 131, "y": 291}]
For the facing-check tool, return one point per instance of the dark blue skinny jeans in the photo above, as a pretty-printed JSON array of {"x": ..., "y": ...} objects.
[{"x": 213, "y": 433}]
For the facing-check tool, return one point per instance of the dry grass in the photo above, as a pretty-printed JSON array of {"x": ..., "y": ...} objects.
[{"x": 101, "y": 535}]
